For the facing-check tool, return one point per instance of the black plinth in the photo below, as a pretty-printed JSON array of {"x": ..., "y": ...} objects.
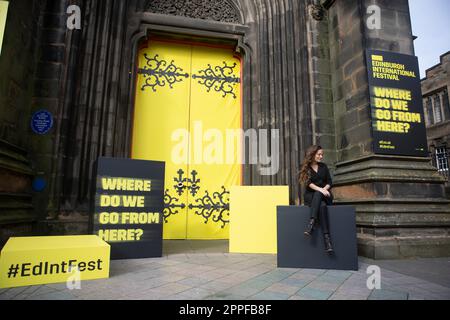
[{"x": 295, "y": 250}]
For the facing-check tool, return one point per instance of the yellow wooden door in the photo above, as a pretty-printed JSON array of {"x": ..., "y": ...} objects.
[{"x": 195, "y": 90}]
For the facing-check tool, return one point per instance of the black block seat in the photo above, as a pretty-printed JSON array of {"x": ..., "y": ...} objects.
[{"x": 295, "y": 250}]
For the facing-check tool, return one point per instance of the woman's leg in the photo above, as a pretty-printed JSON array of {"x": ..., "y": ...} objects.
[
  {"x": 324, "y": 218},
  {"x": 325, "y": 226},
  {"x": 315, "y": 205},
  {"x": 315, "y": 208}
]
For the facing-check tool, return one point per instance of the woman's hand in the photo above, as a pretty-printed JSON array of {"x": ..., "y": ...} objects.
[{"x": 325, "y": 192}]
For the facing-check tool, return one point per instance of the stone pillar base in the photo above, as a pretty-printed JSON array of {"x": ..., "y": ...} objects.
[
  {"x": 402, "y": 210},
  {"x": 403, "y": 243}
]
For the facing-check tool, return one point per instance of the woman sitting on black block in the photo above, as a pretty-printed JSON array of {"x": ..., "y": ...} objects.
[{"x": 317, "y": 180}]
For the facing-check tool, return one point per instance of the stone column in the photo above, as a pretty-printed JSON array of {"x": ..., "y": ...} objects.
[
  {"x": 48, "y": 89},
  {"x": 401, "y": 207}
]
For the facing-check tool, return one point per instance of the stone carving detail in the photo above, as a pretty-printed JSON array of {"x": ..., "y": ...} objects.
[
  {"x": 216, "y": 10},
  {"x": 317, "y": 12}
]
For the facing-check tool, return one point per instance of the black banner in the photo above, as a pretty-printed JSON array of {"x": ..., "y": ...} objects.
[
  {"x": 398, "y": 120},
  {"x": 128, "y": 207}
]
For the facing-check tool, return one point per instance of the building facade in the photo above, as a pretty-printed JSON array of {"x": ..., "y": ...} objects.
[
  {"x": 435, "y": 90},
  {"x": 303, "y": 72}
]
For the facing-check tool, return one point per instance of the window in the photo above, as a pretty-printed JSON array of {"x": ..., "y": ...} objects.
[
  {"x": 437, "y": 108},
  {"x": 446, "y": 105},
  {"x": 429, "y": 109},
  {"x": 442, "y": 159}
]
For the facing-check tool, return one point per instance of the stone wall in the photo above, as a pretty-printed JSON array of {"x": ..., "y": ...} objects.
[{"x": 17, "y": 69}]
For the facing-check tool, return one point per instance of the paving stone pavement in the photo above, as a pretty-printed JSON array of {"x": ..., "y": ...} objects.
[{"x": 192, "y": 270}]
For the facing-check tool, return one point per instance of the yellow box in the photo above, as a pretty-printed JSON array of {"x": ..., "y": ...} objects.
[
  {"x": 45, "y": 260},
  {"x": 253, "y": 218}
]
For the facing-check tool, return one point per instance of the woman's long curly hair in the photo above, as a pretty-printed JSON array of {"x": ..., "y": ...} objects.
[{"x": 309, "y": 159}]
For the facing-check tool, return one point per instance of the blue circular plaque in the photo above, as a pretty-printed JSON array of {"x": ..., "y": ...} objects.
[
  {"x": 39, "y": 184},
  {"x": 42, "y": 122}
]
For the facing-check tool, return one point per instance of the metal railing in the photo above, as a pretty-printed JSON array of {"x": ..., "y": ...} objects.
[{"x": 442, "y": 164}]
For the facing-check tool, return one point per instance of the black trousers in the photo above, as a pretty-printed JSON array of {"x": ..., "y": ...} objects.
[{"x": 319, "y": 210}]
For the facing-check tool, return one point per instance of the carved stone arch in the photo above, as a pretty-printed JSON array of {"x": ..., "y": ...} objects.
[{"x": 213, "y": 10}]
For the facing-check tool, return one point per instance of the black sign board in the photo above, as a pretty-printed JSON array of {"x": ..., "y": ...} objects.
[
  {"x": 128, "y": 207},
  {"x": 398, "y": 120}
]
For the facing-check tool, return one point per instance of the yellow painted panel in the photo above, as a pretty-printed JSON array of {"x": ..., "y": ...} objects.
[
  {"x": 215, "y": 116},
  {"x": 45, "y": 260},
  {"x": 253, "y": 211},
  {"x": 162, "y": 109},
  {"x": 3, "y": 16}
]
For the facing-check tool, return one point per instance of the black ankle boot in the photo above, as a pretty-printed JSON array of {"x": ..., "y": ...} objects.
[
  {"x": 310, "y": 229},
  {"x": 328, "y": 245}
]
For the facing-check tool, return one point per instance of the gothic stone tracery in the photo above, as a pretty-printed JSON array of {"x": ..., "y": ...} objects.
[{"x": 216, "y": 10}]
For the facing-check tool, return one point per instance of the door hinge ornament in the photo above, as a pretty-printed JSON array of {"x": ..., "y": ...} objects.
[
  {"x": 158, "y": 73},
  {"x": 221, "y": 79},
  {"x": 215, "y": 208}
]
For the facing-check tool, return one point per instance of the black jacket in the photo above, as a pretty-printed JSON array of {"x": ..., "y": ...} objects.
[{"x": 321, "y": 178}]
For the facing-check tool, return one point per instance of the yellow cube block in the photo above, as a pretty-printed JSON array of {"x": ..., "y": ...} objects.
[
  {"x": 253, "y": 218},
  {"x": 44, "y": 260}
]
